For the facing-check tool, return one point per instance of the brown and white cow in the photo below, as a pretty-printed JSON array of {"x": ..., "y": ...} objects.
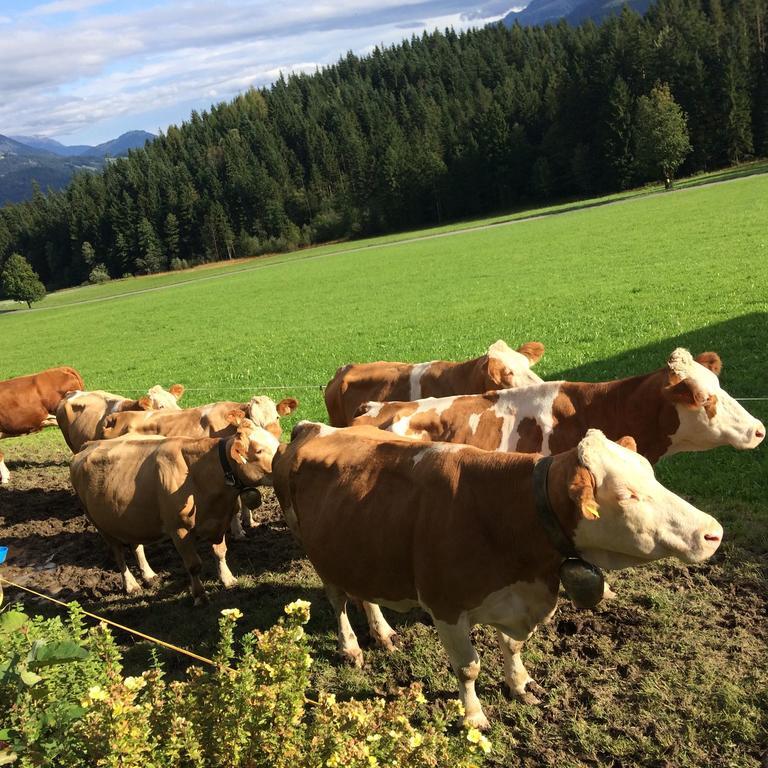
[
  {"x": 212, "y": 420},
  {"x": 499, "y": 368},
  {"x": 27, "y": 403},
  {"x": 138, "y": 489},
  {"x": 454, "y": 529},
  {"x": 681, "y": 407},
  {"x": 81, "y": 415}
]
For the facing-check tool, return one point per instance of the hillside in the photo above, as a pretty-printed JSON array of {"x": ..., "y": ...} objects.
[
  {"x": 28, "y": 159},
  {"x": 444, "y": 126},
  {"x": 540, "y": 12}
]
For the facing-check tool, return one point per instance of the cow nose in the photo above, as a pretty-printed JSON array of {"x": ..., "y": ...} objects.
[
  {"x": 714, "y": 535},
  {"x": 759, "y": 431}
]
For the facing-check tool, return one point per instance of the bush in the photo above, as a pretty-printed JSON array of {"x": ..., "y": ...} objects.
[
  {"x": 178, "y": 264},
  {"x": 77, "y": 709},
  {"x": 99, "y": 274}
]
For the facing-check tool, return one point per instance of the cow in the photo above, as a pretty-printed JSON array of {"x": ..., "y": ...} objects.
[
  {"x": 460, "y": 532},
  {"x": 212, "y": 420},
  {"x": 138, "y": 489},
  {"x": 499, "y": 368},
  {"x": 680, "y": 407},
  {"x": 27, "y": 403},
  {"x": 81, "y": 415}
]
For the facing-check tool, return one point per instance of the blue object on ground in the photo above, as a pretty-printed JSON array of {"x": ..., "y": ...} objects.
[{"x": 3, "y": 553}]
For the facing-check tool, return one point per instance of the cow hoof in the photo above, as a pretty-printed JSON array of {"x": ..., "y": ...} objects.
[
  {"x": 132, "y": 589},
  {"x": 229, "y": 583},
  {"x": 529, "y": 694},
  {"x": 353, "y": 658},
  {"x": 477, "y": 720},
  {"x": 390, "y": 643}
]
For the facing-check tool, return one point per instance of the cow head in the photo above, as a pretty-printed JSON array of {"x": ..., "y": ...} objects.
[
  {"x": 158, "y": 398},
  {"x": 505, "y": 368},
  {"x": 708, "y": 415},
  {"x": 263, "y": 412},
  {"x": 252, "y": 450},
  {"x": 627, "y": 517}
]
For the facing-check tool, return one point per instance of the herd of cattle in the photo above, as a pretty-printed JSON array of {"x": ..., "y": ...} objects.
[{"x": 469, "y": 489}]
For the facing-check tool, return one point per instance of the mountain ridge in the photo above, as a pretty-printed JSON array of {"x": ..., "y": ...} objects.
[
  {"x": 52, "y": 164},
  {"x": 539, "y": 12}
]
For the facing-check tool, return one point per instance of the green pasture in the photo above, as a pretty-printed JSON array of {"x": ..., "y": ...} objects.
[{"x": 671, "y": 674}]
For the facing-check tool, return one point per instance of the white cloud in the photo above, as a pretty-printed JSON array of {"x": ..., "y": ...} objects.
[
  {"x": 64, "y": 6},
  {"x": 61, "y": 80}
]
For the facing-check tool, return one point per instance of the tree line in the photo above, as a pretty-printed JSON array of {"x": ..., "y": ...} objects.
[{"x": 442, "y": 126}]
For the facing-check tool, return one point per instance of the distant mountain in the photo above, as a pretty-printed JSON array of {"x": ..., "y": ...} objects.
[
  {"x": 539, "y": 12},
  {"x": 113, "y": 148},
  {"x": 121, "y": 145},
  {"x": 24, "y": 159}
]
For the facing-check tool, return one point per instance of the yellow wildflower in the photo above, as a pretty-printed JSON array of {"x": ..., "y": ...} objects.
[{"x": 232, "y": 613}]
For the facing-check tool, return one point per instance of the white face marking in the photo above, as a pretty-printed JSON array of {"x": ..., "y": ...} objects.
[
  {"x": 516, "y": 363},
  {"x": 732, "y": 424},
  {"x": 162, "y": 398},
  {"x": 262, "y": 411},
  {"x": 640, "y": 520},
  {"x": 417, "y": 372}
]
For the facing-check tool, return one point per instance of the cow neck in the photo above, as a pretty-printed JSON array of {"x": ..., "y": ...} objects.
[
  {"x": 546, "y": 516},
  {"x": 453, "y": 378},
  {"x": 630, "y": 406},
  {"x": 582, "y": 581},
  {"x": 230, "y": 478}
]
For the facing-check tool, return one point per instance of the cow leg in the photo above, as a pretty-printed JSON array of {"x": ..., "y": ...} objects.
[
  {"x": 515, "y": 673},
  {"x": 349, "y": 648},
  {"x": 5, "y": 475},
  {"x": 185, "y": 546},
  {"x": 225, "y": 575},
  {"x": 50, "y": 421},
  {"x": 466, "y": 665},
  {"x": 236, "y": 529},
  {"x": 130, "y": 585},
  {"x": 146, "y": 572},
  {"x": 380, "y": 630}
]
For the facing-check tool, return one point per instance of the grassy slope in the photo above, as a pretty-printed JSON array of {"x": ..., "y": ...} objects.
[
  {"x": 667, "y": 673},
  {"x": 142, "y": 283}
]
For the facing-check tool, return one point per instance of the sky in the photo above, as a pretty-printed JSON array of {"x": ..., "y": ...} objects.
[{"x": 85, "y": 71}]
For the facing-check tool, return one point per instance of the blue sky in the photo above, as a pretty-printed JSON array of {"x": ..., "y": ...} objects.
[{"x": 84, "y": 71}]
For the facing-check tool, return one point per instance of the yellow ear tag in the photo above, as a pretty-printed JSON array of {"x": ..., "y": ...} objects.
[{"x": 593, "y": 510}]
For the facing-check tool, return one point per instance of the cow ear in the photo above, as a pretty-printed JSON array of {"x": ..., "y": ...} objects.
[
  {"x": 710, "y": 360},
  {"x": 287, "y": 405},
  {"x": 235, "y": 417},
  {"x": 239, "y": 450},
  {"x": 145, "y": 403},
  {"x": 533, "y": 350},
  {"x": 628, "y": 442},
  {"x": 177, "y": 390},
  {"x": 688, "y": 393},
  {"x": 496, "y": 371},
  {"x": 581, "y": 489}
]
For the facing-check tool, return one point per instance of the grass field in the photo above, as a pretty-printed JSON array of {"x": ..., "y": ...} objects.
[{"x": 675, "y": 672}]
